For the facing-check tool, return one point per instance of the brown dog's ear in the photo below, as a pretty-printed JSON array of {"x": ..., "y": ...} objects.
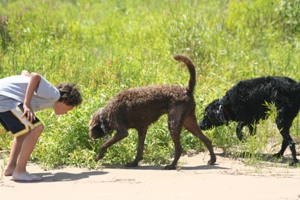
[
  {"x": 96, "y": 132},
  {"x": 93, "y": 121}
]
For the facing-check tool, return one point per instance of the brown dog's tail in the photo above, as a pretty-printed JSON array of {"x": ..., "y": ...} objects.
[{"x": 191, "y": 68}]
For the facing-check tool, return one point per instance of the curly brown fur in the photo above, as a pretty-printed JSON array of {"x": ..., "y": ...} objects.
[{"x": 140, "y": 107}]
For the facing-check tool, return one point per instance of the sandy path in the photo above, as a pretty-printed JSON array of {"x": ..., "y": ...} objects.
[{"x": 229, "y": 179}]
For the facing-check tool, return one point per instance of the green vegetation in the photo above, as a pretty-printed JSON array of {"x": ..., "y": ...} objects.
[{"x": 108, "y": 46}]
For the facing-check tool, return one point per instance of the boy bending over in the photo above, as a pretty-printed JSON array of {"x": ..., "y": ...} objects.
[{"x": 20, "y": 97}]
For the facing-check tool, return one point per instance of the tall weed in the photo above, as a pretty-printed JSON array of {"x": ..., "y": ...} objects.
[{"x": 108, "y": 46}]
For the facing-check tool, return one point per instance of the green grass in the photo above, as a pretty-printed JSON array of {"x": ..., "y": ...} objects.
[{"x": 108, "y": 46}]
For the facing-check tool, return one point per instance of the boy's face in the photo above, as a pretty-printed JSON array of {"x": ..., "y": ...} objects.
[{"x": 61, "y": 108}]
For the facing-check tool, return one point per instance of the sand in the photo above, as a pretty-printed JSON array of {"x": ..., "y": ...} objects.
[{"x": 228, "y": 179}]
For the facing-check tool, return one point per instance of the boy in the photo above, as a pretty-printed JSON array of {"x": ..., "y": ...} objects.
[{"x": 20, "y": 97}]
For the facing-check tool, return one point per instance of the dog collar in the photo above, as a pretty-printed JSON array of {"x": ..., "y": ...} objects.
[
  {"x": 105, "y": 129},
  {"x": 221, "y": 115},
  {"x": 225, "y": 111}
]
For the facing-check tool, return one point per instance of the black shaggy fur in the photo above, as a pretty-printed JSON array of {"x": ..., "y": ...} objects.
[
  {"x": 245, "y": 103},
  {"x": 138, "y": 108}
]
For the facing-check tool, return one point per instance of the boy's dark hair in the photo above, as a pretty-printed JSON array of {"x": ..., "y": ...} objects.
[{"x": 69, "y": 94}]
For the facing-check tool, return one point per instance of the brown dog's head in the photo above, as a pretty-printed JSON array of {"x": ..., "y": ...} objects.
[{"x": 97, "y": 128}]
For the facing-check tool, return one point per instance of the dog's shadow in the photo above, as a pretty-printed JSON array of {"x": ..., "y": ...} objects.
[
  {"x": 204, "y": 167},
  {"x": 263, "y": 157},
  {"x": 66, "y": 176},
  {"x": 180, "y": 166},
  {"x": 162, "y": 167}
]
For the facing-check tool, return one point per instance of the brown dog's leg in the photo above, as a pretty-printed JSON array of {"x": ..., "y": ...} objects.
[
  {"x": 140, "y": 149},
  {"x": 117, "y": 137},
  {"x": 178, "y": 149},
  {"x": 175, "y": 125},
  {"x": 190, "y": 123}
]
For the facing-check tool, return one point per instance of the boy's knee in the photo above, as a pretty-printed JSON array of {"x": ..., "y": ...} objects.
[{"x": 39, "y": 129}]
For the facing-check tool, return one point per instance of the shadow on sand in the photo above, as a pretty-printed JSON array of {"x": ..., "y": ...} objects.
[{"x": 65, "y": 176}]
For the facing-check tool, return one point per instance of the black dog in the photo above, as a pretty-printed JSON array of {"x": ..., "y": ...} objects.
[
  {"x": 138, "y": 108},
  {"x": 245, "y": 104}
]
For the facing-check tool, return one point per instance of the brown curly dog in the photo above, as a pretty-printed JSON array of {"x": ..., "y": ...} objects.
[{"x": 140, "y": 107}]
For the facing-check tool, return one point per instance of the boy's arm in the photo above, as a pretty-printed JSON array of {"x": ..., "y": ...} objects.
[{"x": 32, "y": 85}]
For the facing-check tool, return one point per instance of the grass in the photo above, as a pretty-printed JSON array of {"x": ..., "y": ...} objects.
[{"x": 108, "y": 46}]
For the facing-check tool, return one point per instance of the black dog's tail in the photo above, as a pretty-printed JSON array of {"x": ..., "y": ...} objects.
[{"x": 191, "y": 68}]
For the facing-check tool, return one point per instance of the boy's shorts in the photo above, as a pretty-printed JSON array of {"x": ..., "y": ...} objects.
[{"x": 13, "y": 121}]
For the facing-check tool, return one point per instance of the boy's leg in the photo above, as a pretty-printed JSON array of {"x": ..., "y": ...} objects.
[
  {"x": 26, "y": 135},
  {"x": 30, "y": 140},
  {"x": 14, "y": 154}
]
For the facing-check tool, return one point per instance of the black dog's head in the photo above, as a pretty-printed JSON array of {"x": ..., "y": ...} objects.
[
  {"x": 97, "y": 128},
  {"x": 213, "y": 116}
]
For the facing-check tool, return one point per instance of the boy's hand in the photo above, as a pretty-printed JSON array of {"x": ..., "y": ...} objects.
[
  {"x": 25, "y": 73},
  {"x": 28, "y": 112}
]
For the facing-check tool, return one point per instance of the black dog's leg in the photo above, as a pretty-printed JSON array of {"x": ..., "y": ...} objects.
[
  {"x": 252, "y": 128},
  {"x": 292, "y": 146},
  {"x": 284, "y": 125},
  {"x": 239, "y": 129},
  {"x": 117, "y": 137},
  {"x": 140, "y": 149},
  {"x": 284, "y": 145}
]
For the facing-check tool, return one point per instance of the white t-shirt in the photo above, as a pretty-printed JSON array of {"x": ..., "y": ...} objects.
[{"x": 13, "y": 89}]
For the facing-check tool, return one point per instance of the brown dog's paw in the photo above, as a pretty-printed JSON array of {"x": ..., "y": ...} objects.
[
  {"x": 212, "y": 161},
  {"x": 131, "y": 164},
  {"x": 168, "y": 167},
  {"x": 98, "y": 158}
]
